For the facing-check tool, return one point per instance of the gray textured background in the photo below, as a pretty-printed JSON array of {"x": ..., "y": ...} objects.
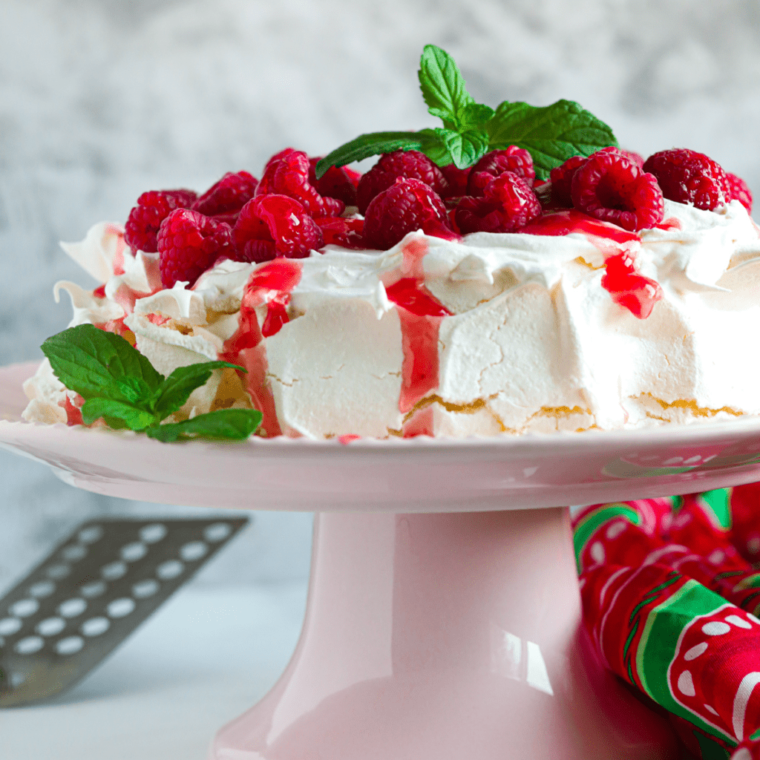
[{"x": 102, "y": 99}]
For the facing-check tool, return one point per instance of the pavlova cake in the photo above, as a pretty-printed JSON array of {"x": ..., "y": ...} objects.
[{"x": 511, "y": 271}]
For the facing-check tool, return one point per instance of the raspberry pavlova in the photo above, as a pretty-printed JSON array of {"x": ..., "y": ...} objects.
[{"x": 511, "y": 271}]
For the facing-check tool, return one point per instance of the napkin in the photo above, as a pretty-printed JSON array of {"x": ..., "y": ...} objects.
[{"x": 671, "y": 594}]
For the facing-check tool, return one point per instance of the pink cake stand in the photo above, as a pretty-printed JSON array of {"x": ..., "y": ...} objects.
[{"x": 443, "y": 614}]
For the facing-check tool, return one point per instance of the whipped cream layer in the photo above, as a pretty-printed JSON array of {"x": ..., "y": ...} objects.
[{"x": 494, "y": 333}]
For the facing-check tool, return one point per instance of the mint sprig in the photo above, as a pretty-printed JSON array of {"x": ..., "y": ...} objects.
[
  {"x": 551, "y": 134},
  {"x": 121, "y": 386}
]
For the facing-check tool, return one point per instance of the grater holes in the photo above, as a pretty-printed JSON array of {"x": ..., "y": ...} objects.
[
  {"x": 95, "y": 626},
  {"x": 146, "y": 588},
  {"x": 74, "y": 553},
  {"x": 58, "y": 572},
  {"x": 153, "y": 533},
  {"x": 134, "y": 552},
  {"x": 193, "y": 551},
  {"x": 29, "y": 645},
  {"x": 51, "y": 626},
  {"x": 72, "y": 608},
  {"x": 42, "y": 590},
  {"x": 24, "y": 608},
  {"x": 120, "y": 608},
  {"x": 9, "y": 626},
  {"x": 70, "y": 645},
  {"x": 170, "y": 569},
  {"x": 92, "y": 589},
  {"x": 217, "y": 532},
  {"x": 91, "y": 534},
  {"x": 113, "y": 571}
]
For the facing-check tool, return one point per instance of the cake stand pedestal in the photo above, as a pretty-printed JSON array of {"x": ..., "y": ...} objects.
[
  {"x": 443, "y": 637},
  {"x": 443, "y": 619}
]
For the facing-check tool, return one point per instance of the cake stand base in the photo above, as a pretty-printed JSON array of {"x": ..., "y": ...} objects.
[{"x": 443, "y": 637}]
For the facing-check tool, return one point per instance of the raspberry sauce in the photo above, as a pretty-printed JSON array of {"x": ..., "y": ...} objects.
[
  {"x": 608, "y": 238},
  {"x": 420, "y": 315},
  {"x": 621, "y": 280},
  {"x": 245, "y": 346},
  {"x": 628, "y": 288}
]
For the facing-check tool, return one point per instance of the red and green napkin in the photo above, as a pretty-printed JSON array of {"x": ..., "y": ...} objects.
[{"x": 670, "y": 591}]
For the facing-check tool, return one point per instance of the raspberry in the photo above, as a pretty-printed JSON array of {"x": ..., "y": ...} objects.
[
  {"x": 410, "y": 164},
  {"x": 611, "y": 187},
  {"x": 337, "y": 182},
  {"x": 287, "y": 173},
  {"x": 408, "y": 205},
  {"x": 561, "y": 178},
  {"x": 145, "y": 218},
  {"x": 637, "y": 158},
  {"x": 456, "y": 180},
  {"x": 508, "y": 203},
  {"x": 348, "y": 233},
  {"x": 689, "y": 177},
  {"x": 740, "y": 191},
  {"x": 228, "y": 195},
  {"x": 189, "y": 243},
  {"x": 275, "y": 225},
  {"x": 513, "y": 159}
]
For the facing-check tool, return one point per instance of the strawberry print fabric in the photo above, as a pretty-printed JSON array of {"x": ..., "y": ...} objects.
[{"x": 671, "y": 599}]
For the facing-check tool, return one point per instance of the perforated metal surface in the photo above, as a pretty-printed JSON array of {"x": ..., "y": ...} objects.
[{"x": 91, "y": 593}]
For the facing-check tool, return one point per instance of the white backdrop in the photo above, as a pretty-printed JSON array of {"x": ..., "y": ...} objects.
[{"x": 102, "y": 99}]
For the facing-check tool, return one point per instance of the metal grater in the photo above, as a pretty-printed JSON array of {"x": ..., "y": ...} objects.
[{"x": 91, "y": 593}]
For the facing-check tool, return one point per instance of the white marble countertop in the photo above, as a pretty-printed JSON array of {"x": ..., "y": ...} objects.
[{"x": 207, "y": 655}]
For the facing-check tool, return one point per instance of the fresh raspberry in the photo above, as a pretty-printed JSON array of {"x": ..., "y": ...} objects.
[
  {"x": 228, "y": 195},
  {"x": 410, "y": 164},
  {"x": 740, "y": 191},
  {"x": 561, "y": 178},
  {"x": 275, "y": 225},
  {"x": 637, "y": 158},
  {"x": 456, "y": 180},
  {"x": 287, "y": 173},
  {"x": 689, "y": 177},
  {"x": 513, "y": 159},
  {"x": 408, "y": 205},
  {"x": 508, "y": 203},
  {"x": 337, "y": 182},
  {"x": 348, "y": 233},
  {"x": 145, "y": 218},
  {"x": 189, "y": 243},
  {"x": 611, "y": 187}
]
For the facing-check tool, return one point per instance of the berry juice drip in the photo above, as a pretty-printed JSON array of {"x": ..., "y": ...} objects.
[
  {"x": 608, "y": 238},
  {"x": 118, "y": 257},
  {"x": 245, "y": 347},
  {"x": 420, "y": 315},
  {"x": 628, "y": 288},
  {"x": 621, "y": 280}
]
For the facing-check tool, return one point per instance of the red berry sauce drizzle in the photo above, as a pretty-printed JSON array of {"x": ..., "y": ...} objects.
[
  {"x": 245, "y": 347},
  {"x": 420, "y": 315},
  {"x": 621, "y": 280}
]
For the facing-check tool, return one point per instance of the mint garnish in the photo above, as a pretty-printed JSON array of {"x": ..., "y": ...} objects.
[
  {"x": 222, "y": 425},
  {"x": 552, "y": 133},
  {"x": 120, "y": 385}
]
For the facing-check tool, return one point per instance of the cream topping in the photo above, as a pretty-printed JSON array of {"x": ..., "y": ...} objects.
[{"x": 534, "y": 341}]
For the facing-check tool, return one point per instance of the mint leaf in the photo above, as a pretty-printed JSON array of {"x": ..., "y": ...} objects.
[
  {"x": 465, "y": 148},
  {"x": 476, "y": 115},
  {"x": 371, "y": 144},
  {"x": 176, "y": 389},
  {"x": 91, "y": 362},
  {"x": 552, "y": 133},
  {"x": 443, "y": 87},
  {"x": 133, "y": 417},
  {"x": 222, "y": 425}
]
